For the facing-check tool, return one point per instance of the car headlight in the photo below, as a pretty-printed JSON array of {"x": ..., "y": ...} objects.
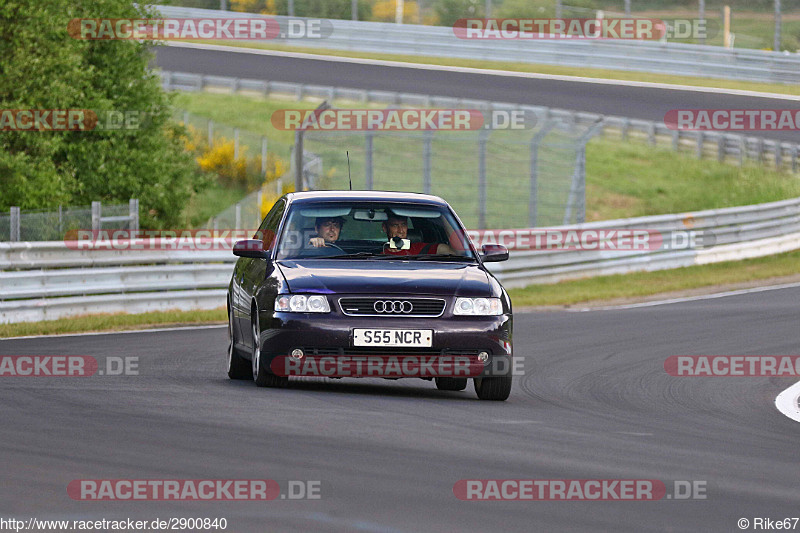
[
  {"x": 478, "y": 306},
  {"x": 300, "y": 303}
]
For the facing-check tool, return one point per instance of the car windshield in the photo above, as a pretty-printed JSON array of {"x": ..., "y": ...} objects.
[{"x": 373, "y": 230}]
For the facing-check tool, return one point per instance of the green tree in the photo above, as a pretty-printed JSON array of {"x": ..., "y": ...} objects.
[{"x": 43, "y": 67}]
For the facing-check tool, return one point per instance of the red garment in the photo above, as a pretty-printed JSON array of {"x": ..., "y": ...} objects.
[{"x": 415, "y": 249}]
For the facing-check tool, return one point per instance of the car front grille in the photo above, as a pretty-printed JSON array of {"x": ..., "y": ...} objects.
[{"x": 392, "y": 306}]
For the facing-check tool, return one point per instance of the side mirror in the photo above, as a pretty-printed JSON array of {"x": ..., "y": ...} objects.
[
  {"x": 252, "y": 248},
  {"x": 492, "y": 253}
]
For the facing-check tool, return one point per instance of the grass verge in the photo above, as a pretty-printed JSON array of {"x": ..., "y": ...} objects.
[
  {"x": 624, "y": 179},
  {"x": 642, "y": 284},
  {"x": 113, "y": 322}
]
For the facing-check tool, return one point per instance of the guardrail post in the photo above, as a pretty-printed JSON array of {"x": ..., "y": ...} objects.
[
  {"x": 368, "y": 138},
  {"x": 651, "y": 133},
  {"x": 259, "y": 203},
  {"x": 626, "y": 124},
  {"x": 482, "y": 138},
  {"x": 721, "y": 148},
  {"x": 760, "y": 153},
  {"x": 742, "y": 149},
  {"x": 60, "y": 220},
  {"x": 778, "y": 155},
  {"x": 14, "y": 230},
  {"x": 167, "y": 81},
  {"x": 236, "y": 143},
  {"x": 427, "y": 139},
  {"x": 238, "y": 221},
  {"x": 96, "y": 213},
  {"x": 676, "y": 140},
  {"x": 700, "y": 141},
  {"x": 133, "y": 211},
  {"x": 794, "y": 158},
  {"x": 210, "y": 133},
  {"x": 264, "y": 156}
]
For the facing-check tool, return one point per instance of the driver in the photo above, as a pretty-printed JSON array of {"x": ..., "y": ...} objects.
[
  {"x": 328, "y": 230},
  {"x": 397, "y": 226}
]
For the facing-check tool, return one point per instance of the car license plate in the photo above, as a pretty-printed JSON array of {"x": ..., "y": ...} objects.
[{"x": 411, "y": 338}]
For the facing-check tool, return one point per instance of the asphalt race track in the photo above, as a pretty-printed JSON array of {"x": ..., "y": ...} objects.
[
  {"x": 621, "y": 100},
  {"x": 595, "y": 403}
]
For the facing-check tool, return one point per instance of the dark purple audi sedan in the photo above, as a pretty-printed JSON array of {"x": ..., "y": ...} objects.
[{"x": 368, "y": 284}]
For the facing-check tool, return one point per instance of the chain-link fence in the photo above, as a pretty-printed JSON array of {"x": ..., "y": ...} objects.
[
  {"x": 54, "y": 225},
  {"x": 493, "y": 179}
]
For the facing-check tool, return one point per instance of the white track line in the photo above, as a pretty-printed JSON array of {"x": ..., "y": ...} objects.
[
  {"x": 688, "y": 298},
  {"x": 488, "y": 72},
  {"x": 786, "y": 402},
  {"x": 96, "y": 333}
]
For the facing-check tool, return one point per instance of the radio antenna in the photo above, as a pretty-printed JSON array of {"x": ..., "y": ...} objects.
[{"x": 348, "y": 170}]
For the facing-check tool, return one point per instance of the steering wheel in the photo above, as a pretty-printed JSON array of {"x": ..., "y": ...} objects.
[{"x": 331, "y": 245}]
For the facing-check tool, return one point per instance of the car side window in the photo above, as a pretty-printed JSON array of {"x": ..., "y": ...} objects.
[{"x": 269, "y": 227}]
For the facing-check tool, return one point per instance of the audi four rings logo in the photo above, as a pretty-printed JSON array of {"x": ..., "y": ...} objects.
[{"x": 392, "y": 306}]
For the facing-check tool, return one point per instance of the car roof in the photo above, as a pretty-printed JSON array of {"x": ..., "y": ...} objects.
[{"x": 376, "y": 196}]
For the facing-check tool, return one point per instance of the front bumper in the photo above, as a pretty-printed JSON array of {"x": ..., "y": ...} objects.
[{"x": 330, "y": 336}]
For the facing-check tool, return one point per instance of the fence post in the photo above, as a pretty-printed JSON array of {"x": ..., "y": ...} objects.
[
  {"x": 368, "y": 138},
  {"x": 133, "y": 212},
  {"x": 264, "y": 156},
  {"x": 260, "y": 200},
  {"x": 721, "y": 148},
  {"x": 236, "y": 143},
  {"x": 96, "y": 213},
  {"x": 15, "y": 225},
  {"x": 298, "y": 160},
  {"x": 238, "y": 222},
  {"x": 482, "y": 138},
  {"x": 794, "y": 158},
  {"x": 427, "y": 139},
  {"x": 533, "y": 201},
  {"x": 60, "y": 220},
  {"x": 210, "y": 133},
  {"x": 676, "y": 140},
  {"x": 778, "y": 155}
]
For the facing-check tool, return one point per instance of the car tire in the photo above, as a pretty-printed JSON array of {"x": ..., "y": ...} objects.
[
  {"x": 451, "y": 383},
  {"x": 495, "y": 388},
  {"x": 261, "y": 375},
  {"x": 238, "y": 368}
]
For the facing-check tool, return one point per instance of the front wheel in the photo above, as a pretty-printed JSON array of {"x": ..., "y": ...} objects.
[
  {"x": 496, "y": 388},
  {"x": 237, "y": 365},
  {"x": 261, "y": 375}
]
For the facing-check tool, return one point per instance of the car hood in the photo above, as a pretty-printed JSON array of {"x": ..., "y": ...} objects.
[{"x": 329, "y": 276}]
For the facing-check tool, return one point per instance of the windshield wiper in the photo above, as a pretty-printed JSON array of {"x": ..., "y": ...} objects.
[{"x": 438, "y": 257}]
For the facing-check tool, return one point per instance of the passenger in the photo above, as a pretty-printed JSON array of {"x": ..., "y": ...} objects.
[{"x": 396, "y": 227}]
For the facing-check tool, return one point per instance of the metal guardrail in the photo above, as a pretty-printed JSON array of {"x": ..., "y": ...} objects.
[
  {"x": 725, "y": 147},
  {"x": 643, "y": 56},
  {"x": 47, "y": 280}
]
